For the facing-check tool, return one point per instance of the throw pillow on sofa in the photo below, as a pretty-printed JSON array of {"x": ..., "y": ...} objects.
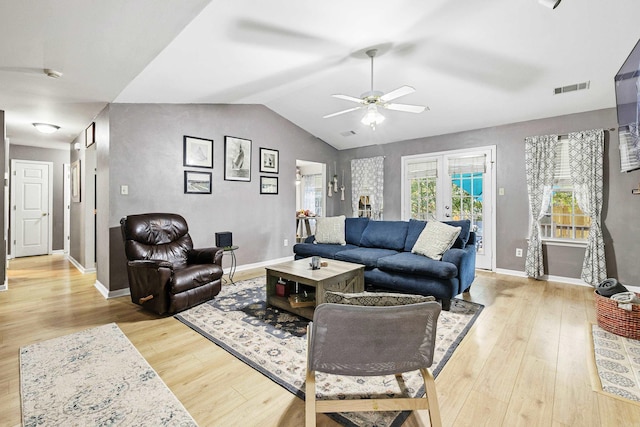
[
  {"x": 330, "y": 230},
  {"x": 436, "y": 239}
]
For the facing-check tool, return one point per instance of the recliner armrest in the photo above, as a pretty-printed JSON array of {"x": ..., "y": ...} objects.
[
  {"x": 205, "y": 256},
  {"x": 150, "y": 263}
]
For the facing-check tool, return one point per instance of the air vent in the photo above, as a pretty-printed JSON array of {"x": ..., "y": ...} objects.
[
  {"x": 571, "y": 88},
  {"x": 348, "y": 133}
]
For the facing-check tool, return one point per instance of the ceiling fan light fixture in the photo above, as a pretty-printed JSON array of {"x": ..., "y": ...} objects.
[
  {"x": 45, "y": 127},
  {"x": 373, "y": 117}
]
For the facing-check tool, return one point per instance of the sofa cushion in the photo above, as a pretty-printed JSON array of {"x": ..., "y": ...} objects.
[
  {"x": 353, "y": 228},
  {"x": 385, "y": 234},
  {"x": 365, "y": 256},
  {"x": 375, "y": 299},
  {"x": 463, "y": 238},
  {"x": 323, "y": 250},
  {"x": 409, "y": 263},
  {"x": 330, "y": 230},
  {"x": 414, "y": 229},
  {"x": 435, "y": 239}
]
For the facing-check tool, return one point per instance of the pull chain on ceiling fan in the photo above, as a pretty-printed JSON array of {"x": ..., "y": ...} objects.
[{"x": 373, "y": 99}]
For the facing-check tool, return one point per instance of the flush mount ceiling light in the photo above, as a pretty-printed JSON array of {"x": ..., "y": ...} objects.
[
  {"x": 54, "y": 74},
  {"x": 551, "y": 4},
  {"x": 46, "y": 127}
]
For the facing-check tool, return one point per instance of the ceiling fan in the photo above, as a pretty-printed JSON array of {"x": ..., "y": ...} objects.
[{"x": 373, "y": 99}]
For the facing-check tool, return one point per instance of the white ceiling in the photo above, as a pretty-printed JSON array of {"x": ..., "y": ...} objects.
[{"x": 474, "y": 63}]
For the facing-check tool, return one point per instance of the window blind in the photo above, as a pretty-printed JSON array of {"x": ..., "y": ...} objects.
[
  {"x": 470, "y": 164},
  {"x": 426, "y": 169}
]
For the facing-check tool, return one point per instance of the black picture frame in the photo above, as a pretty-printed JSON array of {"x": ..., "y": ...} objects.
[
  {"x": 237, "y": 159},
  {"x": 268, "y": 185},
  {"x": 269, "y": 160},
  {"x": 90, "y": 135},
  {"x": 197, "y": 182},
  {"x": 197, "y": 152}
]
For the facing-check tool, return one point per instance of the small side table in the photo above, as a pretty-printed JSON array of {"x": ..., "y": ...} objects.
[{"x": 232, "y": 270}]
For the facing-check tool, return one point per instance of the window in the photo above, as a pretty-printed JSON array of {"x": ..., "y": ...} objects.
[
  {"x": 313, "y": 185},
  {"x": 564, "y": 220},
  {"x": 422, "y": 178}
]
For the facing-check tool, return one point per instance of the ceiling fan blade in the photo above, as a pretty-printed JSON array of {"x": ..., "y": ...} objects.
[
  {"x": 406, "y": 108},
  {"x": 341, "y": 112},
  {"x": 348, "y": 98},
  {"x": 401, "y": 91}
]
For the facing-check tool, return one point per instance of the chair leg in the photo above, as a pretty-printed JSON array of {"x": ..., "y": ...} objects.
[
  {"x": 432, "y": 396},
  {"x": 310, "y": 399}
]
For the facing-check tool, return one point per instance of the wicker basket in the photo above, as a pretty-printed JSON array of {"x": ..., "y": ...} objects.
[{"x": 616, "y": 320}]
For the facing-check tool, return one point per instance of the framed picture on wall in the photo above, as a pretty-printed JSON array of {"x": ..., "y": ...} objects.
[
  {"x": 197, "y": 182},
  {"x": 75, "y": 181},
  {"x": 198, "y": 152},
  {"x": 90, "y": 135},
  {"x": 268, "y": 185},
  {"x": 237, "y": 159},
  {"x": 268, "y": 160}
]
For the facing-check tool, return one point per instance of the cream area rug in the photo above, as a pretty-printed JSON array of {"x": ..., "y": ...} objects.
[
  {"x": 615, "y": 363},
  {"x": 274, "y": 342},
  {"x": 94, "y": 378}
]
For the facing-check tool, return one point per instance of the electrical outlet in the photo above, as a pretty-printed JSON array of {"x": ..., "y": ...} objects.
[
  {"x": 519, "y": 252},
  {"x": 286, "y": 242},
  {"x": 124, "y": 190}
]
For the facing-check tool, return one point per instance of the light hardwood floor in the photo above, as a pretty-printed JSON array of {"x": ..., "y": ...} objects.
[{"x": 523, "y": 363}]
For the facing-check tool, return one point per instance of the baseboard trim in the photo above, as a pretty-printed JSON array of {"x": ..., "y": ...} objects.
[
  {"x": 5, "y": 285},
  {"x": 58, "y": 252},
  {"x": 107, "y": 294},
  {"x": 79, "y": 266},
  {"x": 546, "y": 277},
  {"x": 260, "y": 264}
]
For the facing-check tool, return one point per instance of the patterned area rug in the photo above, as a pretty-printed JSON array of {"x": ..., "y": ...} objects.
[
  {"x": 616, "y": 364},
  {"x": 94, "y": 378},
  {"x": 274, "y": 342}
]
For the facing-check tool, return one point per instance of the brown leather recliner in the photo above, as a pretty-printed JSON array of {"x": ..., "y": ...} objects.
[{"x": 166, "y": 275}]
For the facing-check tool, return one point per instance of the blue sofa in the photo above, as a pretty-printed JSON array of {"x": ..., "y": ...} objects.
[{"x": 384, "y": 248}]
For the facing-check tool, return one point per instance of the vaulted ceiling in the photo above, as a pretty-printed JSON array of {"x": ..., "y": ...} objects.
[{"x": 474, "y": 63}]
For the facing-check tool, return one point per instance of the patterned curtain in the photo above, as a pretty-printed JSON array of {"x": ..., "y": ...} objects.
[
  {"x": 540, "y": 156},
  {"x": 367, "y": 179},
  {"x": 586, "y": 151}
]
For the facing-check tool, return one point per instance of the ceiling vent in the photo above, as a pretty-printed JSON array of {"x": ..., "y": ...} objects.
[
  {"x": 572, "y": 88},
  {"x": 348, "y": 133}
]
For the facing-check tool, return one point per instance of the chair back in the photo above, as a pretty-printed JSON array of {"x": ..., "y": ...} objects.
[
  {"x": 367, "y": 341},
  {"x": 158, "y": 236}
]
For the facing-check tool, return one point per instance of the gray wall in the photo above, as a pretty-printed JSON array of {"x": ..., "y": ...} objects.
[
  {"x": 145, "y": 152},
  {"x": 620, "y": 212},
  {"x": 58, "y": 158}
]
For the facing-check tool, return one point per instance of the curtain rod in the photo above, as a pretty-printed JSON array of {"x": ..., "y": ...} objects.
[{"x": 566, "y": 135}]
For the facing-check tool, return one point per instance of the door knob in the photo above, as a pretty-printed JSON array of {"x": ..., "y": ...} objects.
[
  {"x": 447, "y": 214},
  {"x": 44, "y": 214},
  {"x": 446, "y": 207}
]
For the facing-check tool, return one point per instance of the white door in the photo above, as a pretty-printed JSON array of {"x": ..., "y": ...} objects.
[
  {"x": 450, "y": 186},
  {"x": 32, "y": 208}
]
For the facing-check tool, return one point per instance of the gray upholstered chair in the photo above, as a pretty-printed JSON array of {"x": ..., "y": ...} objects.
[{"x": 370, "y": 341}]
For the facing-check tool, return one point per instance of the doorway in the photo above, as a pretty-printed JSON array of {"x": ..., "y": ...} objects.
[
  {"x": 450, "y": 186},
  {"x": 32, "y": 207}
]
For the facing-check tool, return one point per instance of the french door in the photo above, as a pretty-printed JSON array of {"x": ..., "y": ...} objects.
[{"x": 451, "y": 186}]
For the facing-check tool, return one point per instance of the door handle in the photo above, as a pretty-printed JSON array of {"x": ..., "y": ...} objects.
[
  {"x": 447, "y": 214},
  {"x": 44, "y": 214}
]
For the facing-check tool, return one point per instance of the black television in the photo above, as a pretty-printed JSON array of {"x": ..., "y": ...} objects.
[{"x": 627, "y": 83}]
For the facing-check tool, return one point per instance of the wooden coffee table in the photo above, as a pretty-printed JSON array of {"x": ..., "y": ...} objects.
[{"x": 337, "y": 276}]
